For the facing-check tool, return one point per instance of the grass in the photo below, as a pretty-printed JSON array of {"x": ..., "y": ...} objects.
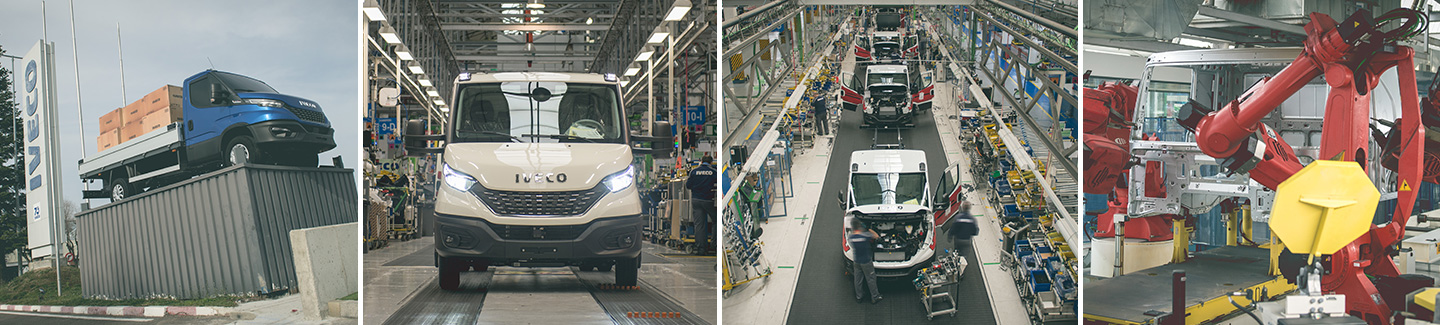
[
  {"x": 353, "y": 296},
  {"x": 27, "y": 290}
]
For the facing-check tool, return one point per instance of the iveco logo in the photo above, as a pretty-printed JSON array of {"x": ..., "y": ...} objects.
[
  {"x": 540, "y": 178},
  {"x": 309, "y": 105}
]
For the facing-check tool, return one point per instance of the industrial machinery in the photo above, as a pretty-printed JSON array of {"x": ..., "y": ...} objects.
[{"x": 1290, "y": 170}]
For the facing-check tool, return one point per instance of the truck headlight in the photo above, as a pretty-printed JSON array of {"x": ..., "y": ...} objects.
[
  {"x": 621, "y": 180},
  {"x": 263, "y": 102},
  {"x": 457, "y": 180}
]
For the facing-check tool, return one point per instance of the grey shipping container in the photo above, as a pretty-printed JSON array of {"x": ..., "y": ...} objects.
[{"x": 221, "y": 233}]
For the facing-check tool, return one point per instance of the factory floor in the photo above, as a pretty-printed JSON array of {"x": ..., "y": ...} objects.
[
  {"x": 808, "y": 285},
  {"x": 400, "y": 288}
]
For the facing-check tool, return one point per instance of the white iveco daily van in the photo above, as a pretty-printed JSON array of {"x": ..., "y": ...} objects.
[
  {"x": 536, "y": 171},
  {"x": 889, "y": 192}
]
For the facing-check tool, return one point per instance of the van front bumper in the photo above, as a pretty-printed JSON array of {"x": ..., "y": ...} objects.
[{"x": 475, "y": 238}]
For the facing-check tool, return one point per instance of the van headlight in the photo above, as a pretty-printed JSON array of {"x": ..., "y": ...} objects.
[
  {"x": 457, "y": 180},
  {"x": 621, "y": 180},
  {"x": 263, "y": 102}
]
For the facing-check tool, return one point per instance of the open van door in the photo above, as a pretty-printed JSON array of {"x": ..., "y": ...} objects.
[
  {"x": 850, "y": 96},
  {"x": 922, "y": 93}
]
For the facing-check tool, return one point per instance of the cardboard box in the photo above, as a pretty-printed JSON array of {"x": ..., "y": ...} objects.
[
  {"x": 107, "y": 139},
  {"x": 111, "y": 121},
  {"x": 167, "y": 98},
  {"x": 157, "y": 120},
  {"x": 131, "y": 131},
  {"x": 131, "y": 114}
]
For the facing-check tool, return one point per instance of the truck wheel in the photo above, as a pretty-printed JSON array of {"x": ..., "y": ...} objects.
[
  {"x": 627, "y": 271},
  {"x": 603, "y": 267},
  {"x": 119, "y": 189},
  {"x": 242, "y": 150},
  {"x": 449, "y": 273},
  {"x": 481, "y": 265}
]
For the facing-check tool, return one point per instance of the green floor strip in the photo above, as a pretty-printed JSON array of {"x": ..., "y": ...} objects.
[
  {"x": 785, "y": 267},
  {"x": 992, "y": 263}
]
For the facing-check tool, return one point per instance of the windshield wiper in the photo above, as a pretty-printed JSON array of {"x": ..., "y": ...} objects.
[
  {"x": 507, "y": 135},
  {"x": 561, "y": 137}
]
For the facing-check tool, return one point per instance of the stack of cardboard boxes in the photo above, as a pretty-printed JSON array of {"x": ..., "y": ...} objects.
[{"x": 154, "y": 111}]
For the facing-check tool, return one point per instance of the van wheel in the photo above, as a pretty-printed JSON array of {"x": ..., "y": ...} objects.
[
  {"x": 242, "y": 150},
  {"x": 120, "y": 189},
  {"x": 480, "y": 265},
  {"x": 603, "y": 267},
  {"x": 627, "y": 271},
  {"x": 449, "y": 273}
]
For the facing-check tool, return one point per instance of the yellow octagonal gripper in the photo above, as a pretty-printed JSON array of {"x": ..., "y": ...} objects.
[{"x": 1324, "y": 207}]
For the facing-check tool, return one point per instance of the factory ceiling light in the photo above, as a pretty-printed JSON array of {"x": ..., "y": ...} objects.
[
  {"x": 403, "y": 52},
  {"x": 372, "y": 11},
  {"x": 416, "y": 69},
  {"x": 631, "y": 72},
  {"x": 589, "y": 21},
  {"x": 644, "y": 56},
  {"x": 440, "y": 102},
  {"x": 425, "y": 82},
  {"x": 388, "y": 33},
  {"x": 431, "y": 91},
  {"x": 535, "y": 4},
  {"x": 678, "y": 10}
]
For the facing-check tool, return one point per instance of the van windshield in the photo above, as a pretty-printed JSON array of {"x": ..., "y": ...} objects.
[
  {"x": 887, "y": 78},
  {"x": 243, "y": 84},
  {"x": 888, "y": 188},
  {"x": 537, "y": 112}
]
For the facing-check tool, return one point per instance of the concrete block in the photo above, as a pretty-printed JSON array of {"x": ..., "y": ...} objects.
[
  {"x": 326, "y": 265},
  {"x": 345, "y": 308}
]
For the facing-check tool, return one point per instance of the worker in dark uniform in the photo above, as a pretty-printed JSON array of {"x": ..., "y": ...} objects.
[
  {"x": 702, "y": 200},
  {"x": 822, "y": 117},
  {"x": 862, "y": 244}
]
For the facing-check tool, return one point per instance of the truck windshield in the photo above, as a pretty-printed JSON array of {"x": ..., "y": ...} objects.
[
  {"x": 537, "y": 112},
  {"x": 887, "y": 78},
  {"x": 888, "y": 188},
  {"x": 243, "y": 84}
]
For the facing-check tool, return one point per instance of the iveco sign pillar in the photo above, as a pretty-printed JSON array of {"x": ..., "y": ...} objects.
[{"x": 42, "y": 184}]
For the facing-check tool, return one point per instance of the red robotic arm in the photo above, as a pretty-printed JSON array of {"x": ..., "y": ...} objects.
[{"x": 1352, "y": 56}]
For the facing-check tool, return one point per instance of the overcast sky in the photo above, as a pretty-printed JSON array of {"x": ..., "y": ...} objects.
[{"x": 303, "y": 48}]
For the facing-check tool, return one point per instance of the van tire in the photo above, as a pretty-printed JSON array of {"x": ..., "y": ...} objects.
[
  {"x": 449, "y": 273},
  {"x": 120, "y": 189},
  {"x": 627, "y": 271},
  {"x": 242, "y": 150}
]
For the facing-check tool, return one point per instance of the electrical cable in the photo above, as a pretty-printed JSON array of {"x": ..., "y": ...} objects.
[{"x": 1247, "y": 293}]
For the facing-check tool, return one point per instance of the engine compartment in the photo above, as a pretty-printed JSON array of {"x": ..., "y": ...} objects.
[{"x": 904, "y": 237}]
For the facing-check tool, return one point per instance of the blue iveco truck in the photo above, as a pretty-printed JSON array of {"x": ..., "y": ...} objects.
[{"x": 228, "y": 119}]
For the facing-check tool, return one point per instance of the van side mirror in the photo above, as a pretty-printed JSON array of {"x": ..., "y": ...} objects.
[
  {"x": 416, "y": 139},
  {"x": 840, "y": 197},
  {"x": 218, "y": 95},
  {"x": 662, "y": 144}
]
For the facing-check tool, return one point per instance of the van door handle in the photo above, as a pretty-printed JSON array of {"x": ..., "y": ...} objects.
[{"x": 190, "y": 125}]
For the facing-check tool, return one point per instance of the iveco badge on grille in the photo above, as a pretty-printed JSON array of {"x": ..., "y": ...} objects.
[{"x": 540, "y": 178}]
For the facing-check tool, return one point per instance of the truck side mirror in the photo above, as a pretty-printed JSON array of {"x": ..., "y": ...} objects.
[
  {"x": 415, "y": 139},
  {"x": 218, "y": 95}
]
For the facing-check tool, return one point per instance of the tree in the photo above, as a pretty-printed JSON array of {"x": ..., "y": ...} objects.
[{"x": 12, "y": 175}]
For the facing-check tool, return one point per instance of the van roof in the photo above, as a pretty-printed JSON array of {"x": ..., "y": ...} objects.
[
  {"x": 887, "y": 161},
  {"x": 886, "y": 68},
  {"x": 536, "y": 76}
]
